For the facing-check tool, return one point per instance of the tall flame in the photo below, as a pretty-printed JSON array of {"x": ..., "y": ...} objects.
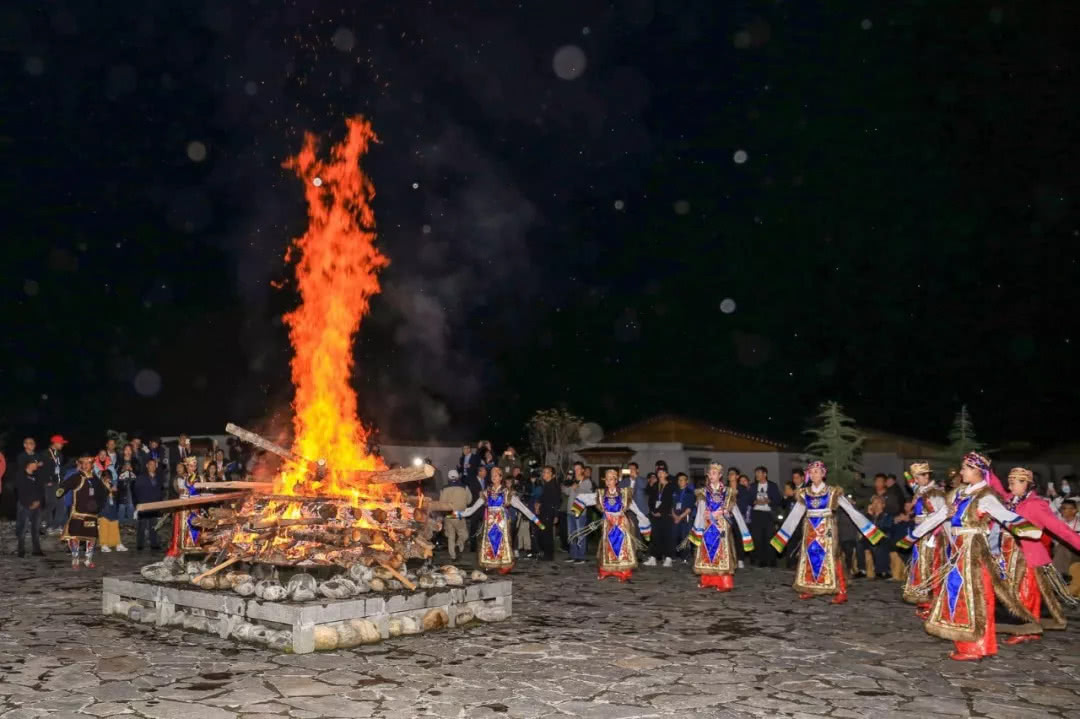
[{"x": 337, "y": 274}]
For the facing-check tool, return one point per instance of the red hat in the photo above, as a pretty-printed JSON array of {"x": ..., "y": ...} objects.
[{"x": 57, "y": 439}]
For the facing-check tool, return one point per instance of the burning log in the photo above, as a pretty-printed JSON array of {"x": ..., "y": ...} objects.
[
  {"x": 251, "y": 486},
  {"x": 263, "y": 443}
]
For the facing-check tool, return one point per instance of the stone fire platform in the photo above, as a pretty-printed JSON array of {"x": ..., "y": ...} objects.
[{"x": 304, "y": 627}]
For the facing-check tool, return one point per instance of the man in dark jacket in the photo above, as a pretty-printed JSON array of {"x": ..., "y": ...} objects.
[
  {"x": 30, "y": 499},
  {"x": 663, "y": 527},
  {"x": 468, "y": 464},
  {"x": 547, "y": 509},
  {"x": 766, "y": 500},
  {"x": 148, "y": 487},
  {"x": 51, "y": 473}
]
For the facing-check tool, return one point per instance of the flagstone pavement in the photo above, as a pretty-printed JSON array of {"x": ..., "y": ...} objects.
[{"x": 656, "y": 647}]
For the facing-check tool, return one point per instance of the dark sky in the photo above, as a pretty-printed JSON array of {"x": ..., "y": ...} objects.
[{"x": 886, "y": 191}]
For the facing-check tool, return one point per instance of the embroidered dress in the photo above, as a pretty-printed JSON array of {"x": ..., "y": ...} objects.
[
  {"x": 616, "y": 556},
  {"x": 496, "y": 552},
  {"x": 927, "y": 553},
  {"x": 87, "y": 497},
  {"x": 185, "y": 536},
  {"x": 964, "y": 608},
  {"x": 714, "y": 540},
  {"x": 820, "y": 569}
]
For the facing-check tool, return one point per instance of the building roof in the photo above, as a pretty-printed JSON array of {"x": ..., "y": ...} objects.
[{"x": 686, "y": 430}]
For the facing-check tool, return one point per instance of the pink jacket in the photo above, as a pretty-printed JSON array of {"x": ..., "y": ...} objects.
[{"x": 1037, "y": 510}]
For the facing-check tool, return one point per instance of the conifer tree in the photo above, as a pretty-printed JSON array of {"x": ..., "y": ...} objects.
[{"x": 836, "y": 442}]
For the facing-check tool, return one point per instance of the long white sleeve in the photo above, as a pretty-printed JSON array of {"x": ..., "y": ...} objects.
[
  {"x": 866, "y": 527},
  {"x": 520, "y": 506},
  {"x": 475, "y": 506},
  {"x": 699, "y": 517},
  {"x": 1010, "y": 520},
  {"x": 780, "y": 540},
  {"x": 741, "y": 523},
  {"x": 643, "y": 519},
  {"x": 931, "y": 521}
]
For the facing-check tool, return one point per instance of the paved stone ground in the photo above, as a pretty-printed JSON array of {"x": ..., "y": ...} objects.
[{"x": 575, "y": 647}]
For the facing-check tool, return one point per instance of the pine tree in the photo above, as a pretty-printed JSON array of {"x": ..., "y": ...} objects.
[
  {"x": 961, "y": 439},
  {"x": 837, "y": 443}
]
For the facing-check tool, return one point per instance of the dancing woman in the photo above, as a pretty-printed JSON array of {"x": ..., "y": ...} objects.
[
  {"x": 616, "y": 556},
  {"x": 927, "y": 553},
  {"x": 714, "y": 556},
  {"x": 821, "y": 569},
  {"x": 964, "y": 608},
  {"x": 496, "y": 550},
  {"x": 1028, "y": 567}
]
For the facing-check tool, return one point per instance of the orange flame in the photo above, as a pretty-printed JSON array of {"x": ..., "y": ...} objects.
[{"x": 337, "y": 275}]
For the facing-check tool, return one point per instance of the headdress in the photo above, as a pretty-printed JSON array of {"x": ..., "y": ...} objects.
[
  {"x": 1021, "y": 473},
  {"x": 918, "y": 468},
  {"x": 717, "y": 466},
  {"x": 978, "y": 461},
  {"x": 817, "y": 464}
]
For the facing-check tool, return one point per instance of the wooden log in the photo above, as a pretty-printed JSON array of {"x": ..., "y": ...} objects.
[
  {"x": 253, "y": 486},
  {"x": 399, "y": 576},
  {"x": 215, "y": 570},
  {"x": 391, "y": 476},
  {"x": 282, "y": 522},
  {"x": 189, "y": 501},
  {"x": 263, "y": 443}
]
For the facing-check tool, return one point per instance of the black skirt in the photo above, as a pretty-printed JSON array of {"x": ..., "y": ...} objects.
[{"x": 81, "y": 526}]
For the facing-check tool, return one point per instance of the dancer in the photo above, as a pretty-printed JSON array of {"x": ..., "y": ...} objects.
[
  {"x": 87, "y": 497},
  {"x": 185, "y": 535},
  {"x": 496, "y": 550},
  {"x": 963, "y": 610},
  {"x": 821, "y": 568},
  {"x": 1030, "y": 570},
  {"x": 616, "y": 556},
  {"x": 714, "y": 557},
  {"x": 927, "y": 553}
]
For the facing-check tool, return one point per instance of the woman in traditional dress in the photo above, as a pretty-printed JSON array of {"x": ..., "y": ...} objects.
[
  {"x": 964, "y": 608},
  {"x": 714, "y": 556},
  {"x": 616, "y": 556},
  {"x": 87, "y": 498},
  {"x": 185, "y": 535},
  {"x": 496, "y": 541},
  {"x": 1027, "y": 562},
  {"x": 821, "y": 568},
  {"x": 927, "y": 553}
]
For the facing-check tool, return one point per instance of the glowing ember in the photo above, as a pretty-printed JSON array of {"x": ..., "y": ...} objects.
[{"x": 336, "y": 276}]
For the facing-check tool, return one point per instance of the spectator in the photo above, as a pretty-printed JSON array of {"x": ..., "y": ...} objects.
[
  {"x": 181, "y": 452},
  {"x": 902, "y": 523},
  {"x": 102, "y": 463},
  {"x": 488, "y": 460},
  {"x": 798, "y": 478},
  {"x": 851, "y": 545},
  {"x": 28, "y": 454},
  {"x": 547, "y": 509},
  {"x": 210, "y": 473},
  {"x": 55, "y": 513},
  {"x": 684, "y": 504},
  {"x": 1064, "y": 556},
  {"x": 639, "y": 484},
  {"x": 468, "y": 465},
  {"x": 148, "y": 487},
  {"x": 108, "y": 524},
  {"x": 880, "y": 551},
  {"x": 791, "y": 489},
  {"x": 896, "y": 496},
  {"x": 509, "y": 461},
  {"x": 458, "y": 497},
  {"x": 30, "y": 499},
  {"x": 159, "y": 453},
  {"x": 142, "y": 453},
  {"x": 110, "y": 450},
  {"x": 766, "y": 499},
  {"x": 579, "y": 484},
  {"x": 126, "y": 474},
  {"x": 662, "y": 525},
  {"x": 476, "y": 486},
  {"x": 522, "y": 487}
]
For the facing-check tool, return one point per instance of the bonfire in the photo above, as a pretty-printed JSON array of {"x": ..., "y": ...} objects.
[{"x": 332, "y": 503}]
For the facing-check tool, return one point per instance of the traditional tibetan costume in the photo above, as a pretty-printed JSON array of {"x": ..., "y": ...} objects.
[
  {"x": 928, "y": 553},
  {"x": 714, "y": 540},
  {"x": 616, "y": 556},
  {"x": 496, "y": 550}
]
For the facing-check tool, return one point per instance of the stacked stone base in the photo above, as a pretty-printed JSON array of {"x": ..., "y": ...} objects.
[{"x": 304, "y": 627}]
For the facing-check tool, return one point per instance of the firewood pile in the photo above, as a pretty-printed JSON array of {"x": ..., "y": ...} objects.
[{"x": 331, "y": 518}]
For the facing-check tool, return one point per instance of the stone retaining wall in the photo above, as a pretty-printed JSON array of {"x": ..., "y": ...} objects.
[{"x": 303, "y": 627}]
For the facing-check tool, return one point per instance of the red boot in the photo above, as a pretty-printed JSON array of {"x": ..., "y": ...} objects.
[
  {"x": 1021, "y": 638},
  {"x": 839, "y": 599},
  {"x": 806, "y": 595}
]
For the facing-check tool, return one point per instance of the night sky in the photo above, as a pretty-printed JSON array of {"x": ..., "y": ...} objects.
[{"x": 885, "y": 193}]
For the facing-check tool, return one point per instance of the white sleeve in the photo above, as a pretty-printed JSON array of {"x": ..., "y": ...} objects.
[
  {"x": 790, "y": 523},
  {"x": 699, "y": 516},
  {"x": 741, "y": 523},
  {"x": 586, "y": 500},
  {"x": 992, "y": 506},
  {"x": 475, "y": 506},
  {"x": 643, "y": 519},
  {"x": 520, "y": 506},
  {"x": 931, "y": 521},
  {"x": 867, "y": 528}
]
